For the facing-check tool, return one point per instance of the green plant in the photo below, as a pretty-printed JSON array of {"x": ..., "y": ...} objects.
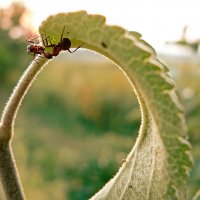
[{"x": 158, "y": 165}]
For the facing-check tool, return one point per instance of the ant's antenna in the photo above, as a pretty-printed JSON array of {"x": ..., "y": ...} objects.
[{"x": 62, "y": 34}]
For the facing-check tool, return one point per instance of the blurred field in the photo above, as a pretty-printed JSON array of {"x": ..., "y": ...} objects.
[
  {"x": 79, "y": 121},
  {"x": 75, "y": 128}
]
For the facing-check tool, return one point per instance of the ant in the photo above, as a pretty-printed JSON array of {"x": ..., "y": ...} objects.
[{"x": 64, "y": 44}]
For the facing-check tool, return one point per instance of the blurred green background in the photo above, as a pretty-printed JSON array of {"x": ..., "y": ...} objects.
[{"x": 81, "y": 118}]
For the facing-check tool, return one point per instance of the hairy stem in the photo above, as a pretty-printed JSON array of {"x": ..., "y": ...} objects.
[
  {"x": 9, "y": 176},
  {"x": 10, "y": 111},
  {"x": 8, "y": 169}
]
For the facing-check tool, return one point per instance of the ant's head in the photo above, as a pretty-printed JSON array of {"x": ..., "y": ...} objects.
[
  {"x": 30, "y": 48},
  {"x": 65, "y": 43}
]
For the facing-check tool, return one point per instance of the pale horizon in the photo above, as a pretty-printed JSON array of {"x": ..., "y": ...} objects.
[{"x": 158, "y": 21}]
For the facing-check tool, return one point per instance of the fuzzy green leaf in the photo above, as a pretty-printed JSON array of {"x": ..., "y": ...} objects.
[{"x": 157, "y": 166}]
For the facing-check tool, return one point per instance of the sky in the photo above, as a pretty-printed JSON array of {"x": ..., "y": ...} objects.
[{"x": 157, "y": 20}]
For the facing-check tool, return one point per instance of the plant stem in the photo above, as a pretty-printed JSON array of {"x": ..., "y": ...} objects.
[
  {"x": 8, "y": 170},
  {"x": 9, "y": 176}
]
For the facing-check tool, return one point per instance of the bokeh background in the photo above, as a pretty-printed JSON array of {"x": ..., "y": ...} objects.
[{"x": 81, "y": 117}]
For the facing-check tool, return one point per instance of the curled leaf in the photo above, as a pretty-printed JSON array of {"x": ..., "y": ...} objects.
[{"x": 157, "y": 166}]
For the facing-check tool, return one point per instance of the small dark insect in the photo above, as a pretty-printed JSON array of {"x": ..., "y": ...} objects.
[
  {"x": 104, "y": 45},
  {"x": 37, "y": 49}
]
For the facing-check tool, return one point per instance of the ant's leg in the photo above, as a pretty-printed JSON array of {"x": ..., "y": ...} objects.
[
  {"x": 33, "y": 54},
  {"x": 51, "y": 44},
  {"x": 34, "y": 60},
  {"x": 39, "y": 57},
  {"x": 47, "y": 41},
  {"x": 76, "y": 48},
  {"x": 31, "y": 40},
  {"x": 44, "y": 39}
]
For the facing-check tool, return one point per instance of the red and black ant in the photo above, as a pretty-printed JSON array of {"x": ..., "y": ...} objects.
[{"x": 37, "y": 49}]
